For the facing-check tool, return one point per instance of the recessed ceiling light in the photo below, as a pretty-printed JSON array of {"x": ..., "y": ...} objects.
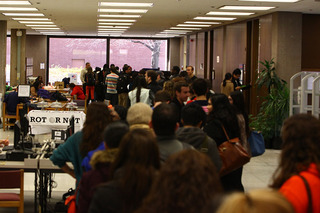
[
  {"x": 192, "y": 25},
  {"x": 18, "y": 9},
  {"x": 201, "y": 22},
  {"x": 116, "y": 20},
  {"x": 245, "y": 8},
  {"x": 184, "y": 28},
  {"x": 114, "y": 27},
  {"x": 176, "y": 31},
  {"x": 122, "y": 4},
  {"x": 23, "y": 14},
  {"x": 113, "y": 23},
  {"x": 36, "y": 22},
  {"x": 229, "y": 14},
  {"x": 122, "y": 11},
  {"x": 15, "y": 3},
  {"x": 52, "y": 33},
  {"x": 215, "y": 18},
  {"x": 31, "y": 19},
  {"x": 45, "y": 28},
  {"x": 282, "y": 1},
  {"x": 40, "y": 25},
  {"x": 119, "y": 16}
]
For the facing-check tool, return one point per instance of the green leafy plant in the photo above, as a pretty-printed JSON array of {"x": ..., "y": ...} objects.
[{"x": 275, "y": 106}]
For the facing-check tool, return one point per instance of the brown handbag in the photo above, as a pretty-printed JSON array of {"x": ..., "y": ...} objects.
[{"x": 232, "y": 154}]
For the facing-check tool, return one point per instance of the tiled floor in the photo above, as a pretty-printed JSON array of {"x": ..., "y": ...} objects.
[{"x": 256, "y": 174}]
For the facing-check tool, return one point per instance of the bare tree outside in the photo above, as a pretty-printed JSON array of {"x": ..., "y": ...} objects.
[{"x": 154, "y": 46}]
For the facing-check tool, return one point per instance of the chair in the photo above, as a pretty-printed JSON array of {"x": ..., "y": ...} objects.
[
  {"x": 6, "y": 117},
  {"x": 10, "y": 180}
]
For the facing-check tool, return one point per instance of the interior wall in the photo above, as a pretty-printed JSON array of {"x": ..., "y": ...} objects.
[
  {"x": 199, "y": 68},
  {"x": 192, "y": 50},
  {"x": 265, "y": 27},
  {"x": 36, "y": 48},
  {"x": 218, "y": 48},
  {"x": 174, "y": 53},
  {"x": 310, "y": 42}
]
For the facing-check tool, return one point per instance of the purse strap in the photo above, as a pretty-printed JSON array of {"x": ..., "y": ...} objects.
[
  {"x": 225, "y": 132},
  {"x": 310, "y": 205}
]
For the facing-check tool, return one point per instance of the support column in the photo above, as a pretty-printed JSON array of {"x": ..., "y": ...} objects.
[
  {"x": 3, "y": 50},
  {"x": 18, "y": 55}
]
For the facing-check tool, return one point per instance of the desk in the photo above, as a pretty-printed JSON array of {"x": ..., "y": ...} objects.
[{"x": 42, "y": 122}]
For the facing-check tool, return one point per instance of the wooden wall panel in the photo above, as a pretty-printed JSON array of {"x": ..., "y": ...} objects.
[
  {"x": 218, "y": 43},
  {"x": 199, "y": 68},
  {"x": 192, "y": 50},
  {"x": 265, "y": 37}
]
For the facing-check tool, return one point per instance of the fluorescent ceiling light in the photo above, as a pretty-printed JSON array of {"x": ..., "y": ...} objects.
[
  {"x": 184, "y": 28},
  {"x": 18, "y": 9},
  {"x": 15, "y": 3},
  {"x": 281, "y": 1},
  {"x": 117, "y": 20},
  {"x": 41, "y": 25},
  {"x": 23, "y": 14},
  {"x": 192, "y": 25},
  {"x": 201, "y": 22},
  {"x": 122, "y": 4},
  {"x": 114, "y": 27},
  {"x": 122, "y": 11},
  {"x": 215, "y": 18},
  {"x": 229, "y": 14},
  {"x": 45, "y": 28},
  {"x": 53, "y": 33},
  {"x": 119, "y": 16},
  {"x": 36, "y": 22},
  {"x": 31, "y": 19},
  {"x": 245, "y": 8},
  {"x": 113, "y": 23}
]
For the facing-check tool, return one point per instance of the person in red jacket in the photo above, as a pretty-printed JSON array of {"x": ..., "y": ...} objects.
[
  {"x": 298, "y": 174},
  {"x": 76, "y": 90}
]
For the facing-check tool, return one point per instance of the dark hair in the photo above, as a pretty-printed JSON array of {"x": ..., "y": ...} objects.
[
  {"x": 175, "y": 70},
  {"x": 72, "y": 85},
  {"x": 164, "y": 119},
  {"x": 191, "y": 67},
  {"x": 89, "y": 69},
  {"x": 199, "y": 86},
  {"x": 183, "y": 74},
  {"x": 162, "y": 96},
  {"x": 224, "y": 112},
  {"x": 152, "y": 74},
  {"x": 179, "y": 84},
  {"x": 97, "y": 118},
  {"x": 192, "y": 114},
  {"x": 105, "y": 67},
  {"x": 125, "y": 67},
  {"x": 87, "y": 63},
  {"x": 122, "y": 112},
  {"x": 36, "y": 85},
  {"x": 236, "y": 72},
  {"x": 227, "y": 76},
  {"x": 139, "y": 157},
  {"x": 142, "y": 72},
  {"x": 97, "y": 69},
  {"x": 169, "y": 87},
  {"x": 187, "y": 182},
  {"x": 139, "y": 82},
  {"x": 300, "y": 147},
  {"x": 238, "y": 102},
  {"x": 114, "y": 132}
]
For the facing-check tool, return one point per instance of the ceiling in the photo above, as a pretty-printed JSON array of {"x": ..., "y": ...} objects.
[{"x": 79, "y": 17}]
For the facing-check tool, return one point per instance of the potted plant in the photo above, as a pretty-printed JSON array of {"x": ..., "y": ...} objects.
[{"x": 275, "y": 106}]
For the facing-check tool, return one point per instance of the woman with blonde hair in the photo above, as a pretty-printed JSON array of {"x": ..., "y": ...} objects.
[{"x": 257, "y": 201}]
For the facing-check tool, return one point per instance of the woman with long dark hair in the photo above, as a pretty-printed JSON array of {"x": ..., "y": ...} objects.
[
  {"x": 188, "y": 182},
  {"x": 140, "y": 93},
  {"x": 79, "y": 144},
  {"x": 133, "y": 173},
  {"x": 299, "y": 165},
  {"x": 227, "y": 86},
  {"x": 222, "y": 113}
]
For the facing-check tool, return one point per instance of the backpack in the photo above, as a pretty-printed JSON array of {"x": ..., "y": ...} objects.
[
  {"x": 57, "y": 96},
  {"x": 44, "y": 94},
  {"x": 122, "y": 84},
  {"x": 90, "y": 79}
]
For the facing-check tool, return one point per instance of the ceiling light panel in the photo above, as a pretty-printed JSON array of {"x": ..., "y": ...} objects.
[
  {"x": 122, "y": 10},
  {"x": 123, "y": 4},
  {"x": 245, "y": 8},
  {"x": 113, "y": 23},
  {"x": 229, "y": 14},
  {"x": 192, "y": 25},
  {"x": 45, "y": 28},
  {"x": 36, "y": 22},
  {"x": 281, "y": 1},
  {"x": 215, "y": 18},
  {"x": 184, "y": 28},
  {"x": 15, "y": 3},
  {"x": 31, "y": 19},
  {"x": 116, "y": 20},
  {"x": 119, "y": 16},
  {"x": 18, "y": 9},
  {"x": 40, "y": 25},
  {"x": 114, "y": 27},
  {"x": 23, "y": 14},
  {"x": 201, "y": 22}
]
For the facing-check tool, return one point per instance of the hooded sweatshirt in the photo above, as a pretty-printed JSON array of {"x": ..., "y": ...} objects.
[{"x": 196, "y": 137}]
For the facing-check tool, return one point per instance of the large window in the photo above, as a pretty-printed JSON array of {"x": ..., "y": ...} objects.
[
  {"x": 67, "y": 56},
  {"x": 139, "y": 53},
  {"x": 8, "y": 60}
]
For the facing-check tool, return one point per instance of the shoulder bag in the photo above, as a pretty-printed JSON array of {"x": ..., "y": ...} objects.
[{"x": 232, "y": 154}]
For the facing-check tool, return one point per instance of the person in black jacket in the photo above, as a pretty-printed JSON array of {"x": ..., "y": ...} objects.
[
  {"x": 151, "y": 78},
  {"x": 222, "y": 113}
]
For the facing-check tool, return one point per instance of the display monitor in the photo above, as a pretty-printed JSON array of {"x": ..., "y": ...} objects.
[{"x": 24, "y": 91}]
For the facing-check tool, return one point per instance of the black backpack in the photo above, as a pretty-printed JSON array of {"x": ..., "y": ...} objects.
[
  {"x": 122, "y": 84},
  {"x": 90, "y": 81}
]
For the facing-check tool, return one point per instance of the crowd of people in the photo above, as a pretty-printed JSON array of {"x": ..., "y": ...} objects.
[{"x": 161, "y": 155}]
